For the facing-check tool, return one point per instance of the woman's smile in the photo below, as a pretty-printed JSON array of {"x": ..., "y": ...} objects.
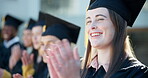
[{"x": 95, "y": 34}]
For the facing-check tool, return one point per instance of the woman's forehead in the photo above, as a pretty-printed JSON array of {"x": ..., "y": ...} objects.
[
  {"x": 48, "y": 38},
  {"x": 94, "y": 12}
]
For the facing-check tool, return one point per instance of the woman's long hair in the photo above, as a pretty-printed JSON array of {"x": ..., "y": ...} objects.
[{"x": 120, "y": 47}]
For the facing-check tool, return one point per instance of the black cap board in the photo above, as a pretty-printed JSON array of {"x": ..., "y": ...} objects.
[
  {"x": 61, "y": 28},
  {"x": 127, "y": 9},
  {"x": 9, "y": 20},
  {"x": 31, "y": 23}
]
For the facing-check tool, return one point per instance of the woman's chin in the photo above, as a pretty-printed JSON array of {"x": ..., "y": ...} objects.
[{"x": 94, "y": 45}]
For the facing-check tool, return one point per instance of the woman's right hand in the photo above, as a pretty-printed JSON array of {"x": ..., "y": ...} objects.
[
  {"x": 27, "y": 59},
  {"x": 62, "y": 61}
]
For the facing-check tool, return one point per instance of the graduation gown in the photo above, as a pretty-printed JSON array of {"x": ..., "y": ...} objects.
[
  {"x": 17, "y": 68},
  {"x": 35, "y": 52},
  {"x": 131, "y": 68},
  {"x": 5, "y": 53},
  {"x": 41, "y": 70}
]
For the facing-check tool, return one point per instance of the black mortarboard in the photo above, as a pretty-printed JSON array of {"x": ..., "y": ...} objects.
[
  {"x": 41, "y": 19},
  {"x": 12, "y": 21},
  {"x": 127, "y": 9},
  {"x": 61, "y": 28},
  {"x": 31, "y": 23}
]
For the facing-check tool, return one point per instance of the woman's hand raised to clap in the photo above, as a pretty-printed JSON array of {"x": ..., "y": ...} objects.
[{"x": 62, "y": 61}]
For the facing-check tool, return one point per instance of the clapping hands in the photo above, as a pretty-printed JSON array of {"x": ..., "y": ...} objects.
[{"x": 62, "y": 61}]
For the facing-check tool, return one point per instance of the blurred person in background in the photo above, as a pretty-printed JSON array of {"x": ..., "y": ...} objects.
[
  {"x": 27, "y": 36},
  {"x": 11, "y": 48},
  {"x": 29, "y": 66},
  {"x": 27, "y": 39},
  {"x": 55, "y": 30}
]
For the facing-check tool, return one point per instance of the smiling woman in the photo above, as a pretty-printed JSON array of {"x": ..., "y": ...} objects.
[
  {"x": 110, "y": 52},
  {"x": 99, "y": 27}
]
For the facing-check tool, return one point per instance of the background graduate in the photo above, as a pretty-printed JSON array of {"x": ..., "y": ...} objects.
[
  {"x": 11, "y": 48},
  {"x": 55, "y": 30}
]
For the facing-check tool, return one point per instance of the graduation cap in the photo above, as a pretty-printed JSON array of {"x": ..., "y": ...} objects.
[
  {"x": 12, "y": 21},
  {"x": 127, "y": 9},
  {"x": 31, "y": 24},
  {"x": 41, "y": 19},
  {"x": 61, "y": 29}
]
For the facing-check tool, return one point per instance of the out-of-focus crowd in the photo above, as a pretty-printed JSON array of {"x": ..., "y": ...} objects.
[{"x": 27, "y": 59}]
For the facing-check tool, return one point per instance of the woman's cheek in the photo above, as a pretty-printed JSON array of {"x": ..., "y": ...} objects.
[{"x": 87, "y": 30}]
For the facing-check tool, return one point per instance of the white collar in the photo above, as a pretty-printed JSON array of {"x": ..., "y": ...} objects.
[
  {"x": 7, "y": 44},
  {"x": 29, "y": 50}
]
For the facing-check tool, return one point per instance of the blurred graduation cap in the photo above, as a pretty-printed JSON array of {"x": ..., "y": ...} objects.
[
  {"x": 41, "y": 19},
  {"x": 31, "y": 24},
  {"x": 127, "y": 9},
  {"x": 12, "y": 21},
  {"x": 61, "y": 29}
]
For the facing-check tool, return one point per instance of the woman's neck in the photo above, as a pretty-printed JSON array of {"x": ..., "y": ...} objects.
[{"x": 104, "y": 56}]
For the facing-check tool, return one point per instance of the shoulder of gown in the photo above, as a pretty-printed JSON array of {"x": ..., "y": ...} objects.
[{"x": 132, "y": 68}]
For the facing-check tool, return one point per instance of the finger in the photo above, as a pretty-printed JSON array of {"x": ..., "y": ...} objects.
[
  {"x": 27, "y": 56},
  {"x": 54, "y": 62},
  {"x": 24, "y": 63},
  {"x": 24, "y": 58},
  {"x": 76, "y": 54},
  {"x": 62, "y": 50},
  {"x": 51, "y": 69},
  {"x": 67, "y": 47},
  {"x": 32, "y": 57},
  {"x": 58, "y": 56}
]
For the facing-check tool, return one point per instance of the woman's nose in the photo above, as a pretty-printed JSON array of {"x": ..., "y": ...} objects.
[{"x": 93, "y": 27}]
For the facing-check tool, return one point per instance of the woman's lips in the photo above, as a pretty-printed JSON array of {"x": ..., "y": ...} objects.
[{"x": 95, "y": 34}]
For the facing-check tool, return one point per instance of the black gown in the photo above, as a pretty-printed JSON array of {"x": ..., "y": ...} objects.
[
  {"x": 17, "y": 68},
  {"x": 131, "y": 68},
  {"x": 41, "y": 70},
  {"x": 5, "y": 54}
]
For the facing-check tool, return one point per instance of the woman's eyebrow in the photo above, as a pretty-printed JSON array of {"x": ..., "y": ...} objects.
[
  {"x": 101, "y": 15},
  {"x": 88, "y": 18}
]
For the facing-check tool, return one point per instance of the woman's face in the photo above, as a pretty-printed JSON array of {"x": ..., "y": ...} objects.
[
  {"x": 99, "y": 27},
  {"x": 46, "y": 41},
  {"x": 8, "y": 32},
  {"x": 27, "y": 38},
  {"x": 36, "y": 36}
]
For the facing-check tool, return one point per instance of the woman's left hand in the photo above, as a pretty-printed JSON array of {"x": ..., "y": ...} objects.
[{"x": 64, "y": 60}]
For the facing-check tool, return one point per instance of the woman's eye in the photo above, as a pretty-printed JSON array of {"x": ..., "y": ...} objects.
[
  {"x": 88, "y": 22},
  {"x": 100, "y": 19}
]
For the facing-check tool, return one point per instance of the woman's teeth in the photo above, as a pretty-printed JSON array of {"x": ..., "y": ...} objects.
[{"x": 96, "y": 34}]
